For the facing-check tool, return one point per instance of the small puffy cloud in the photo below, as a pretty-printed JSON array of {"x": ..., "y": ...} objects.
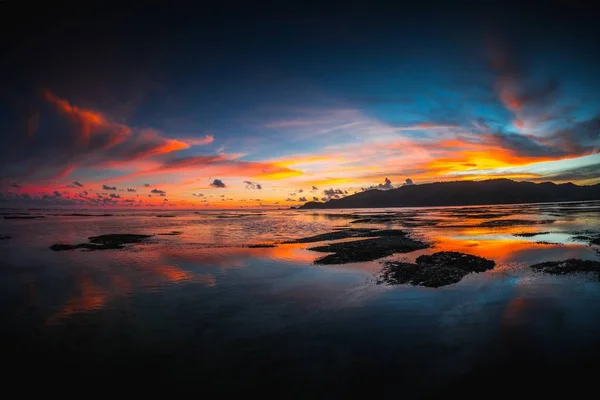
[
  {"x": 315, "y": 198},
  {"x": 115, "y": 196},
  {"x": 131, "y": 190},
  {"x": 324, "y": 199},
  {"x": 14, "y": 185},
  {"x": 252, "y": 185},
  {"x": 106, "y": 187},
  {"x": 408, "y": 182},
  {"x": 78, "y": 184},
  {"x": 314, "y": 188},
  {"x": 300, "y": 190},
  {"x": 217, "y": 183},
  {"x": 387, "y": 185},
  {"x": 166, "y": 200},
  {"x": 302, "y": 199},
  {"x": 146, "y": 184},
  {"x": 289, "y": 199},
  {"x": 198, "y": 195},
  {"x": 332, "y": 192},
  {"x": 158, "y": 191},
  {"x": 57, "y": 193}
]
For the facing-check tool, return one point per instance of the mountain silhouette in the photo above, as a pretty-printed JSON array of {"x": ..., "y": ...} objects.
[{"x": 463, "y": 193}]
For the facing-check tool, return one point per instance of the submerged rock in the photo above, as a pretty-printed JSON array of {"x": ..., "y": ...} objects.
[
  {"x": 368, "y": 249},
  {"x": 64, "y": 247},
  {"x": 570, "y": 266},
  {"x": 118, "y": 238},
  {"x": 530, "y": 234},
  {"x": 435, "y": 270},
  {"x": 103, "y": 242},
  {"x": 336, "y": 235},
  {"x": 497, "y": 223},
  {"x": 261, "y": 245},
  {"x": 24, "y": 217}
]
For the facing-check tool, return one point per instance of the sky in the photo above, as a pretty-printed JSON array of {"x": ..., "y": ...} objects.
[{"x": 273, "y": 106}]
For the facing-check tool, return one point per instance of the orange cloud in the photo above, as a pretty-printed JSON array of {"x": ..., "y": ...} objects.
[
  {"x": 200, "y": 141},
  {"x": 90, "y": 122}
]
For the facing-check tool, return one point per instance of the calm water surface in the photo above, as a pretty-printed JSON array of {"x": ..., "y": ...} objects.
[{"x": 202, "y": 310}]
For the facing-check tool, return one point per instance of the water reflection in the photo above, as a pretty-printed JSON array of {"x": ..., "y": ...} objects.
[{"x": 211, "y": 247}]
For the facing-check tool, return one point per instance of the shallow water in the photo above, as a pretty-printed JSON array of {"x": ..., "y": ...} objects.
[{"x": 201, "y": 308}]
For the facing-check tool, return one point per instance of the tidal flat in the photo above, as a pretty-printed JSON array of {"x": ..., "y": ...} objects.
[{"x": 426, "y": 299}]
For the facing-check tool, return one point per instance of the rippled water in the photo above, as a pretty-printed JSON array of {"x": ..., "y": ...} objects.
[{"x": 201, "y": 309}]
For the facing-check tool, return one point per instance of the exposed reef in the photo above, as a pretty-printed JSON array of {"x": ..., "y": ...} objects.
[
  {"x": 368, "y": 249},
  {"x": 435, "y": 270},
  {"x": 570, "y": 266},
  {"x": 24, "y": 217},
  {"x": 103, "y": 242},
  {"x": 498, "y": 223}
]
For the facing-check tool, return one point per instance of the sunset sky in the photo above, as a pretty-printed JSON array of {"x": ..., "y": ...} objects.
[{"x": 263, "y": 107}]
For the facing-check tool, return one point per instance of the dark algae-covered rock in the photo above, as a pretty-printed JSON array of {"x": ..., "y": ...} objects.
[
  {"x": 87, "y": 246},
  {"x": 104, "y": 242},
  {"x": 454, "y": 259},
  {"x": 570, "y": 266},
  {"x": 436, "y": 276},
  {"x": 499, "y": 223},
  {"x": 367, "y": 249},
  {"x": 530, "y": 234},
  {"x": 24, "y": 217},
  {"x": 435, "y": 270},
  {"x": 115, "y": 239},
  {"x": 336, "y": 235}
]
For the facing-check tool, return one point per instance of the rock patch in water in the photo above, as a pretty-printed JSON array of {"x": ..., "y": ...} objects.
[
  {"x": 570, "y": 266},
  {"x": 435, "y": 270},
  {"x": 103, "y": 242},
  {"x": 497, "y": 223},
  {"x": 368, "y": 249},
  {"x": 24, "y": 217},
  {"x": 530, "y": 234}
]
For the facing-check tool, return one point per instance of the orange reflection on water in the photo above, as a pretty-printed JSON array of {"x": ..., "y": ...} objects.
[
  {"x": 90, "y": 296},
  {"x": 228, "y": 257},
  {"x": 171, "y": 273},
  {"x": 499, "y": 250}
]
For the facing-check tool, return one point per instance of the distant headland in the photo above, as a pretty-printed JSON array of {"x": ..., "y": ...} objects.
[{"x": 463, "y": 193}]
